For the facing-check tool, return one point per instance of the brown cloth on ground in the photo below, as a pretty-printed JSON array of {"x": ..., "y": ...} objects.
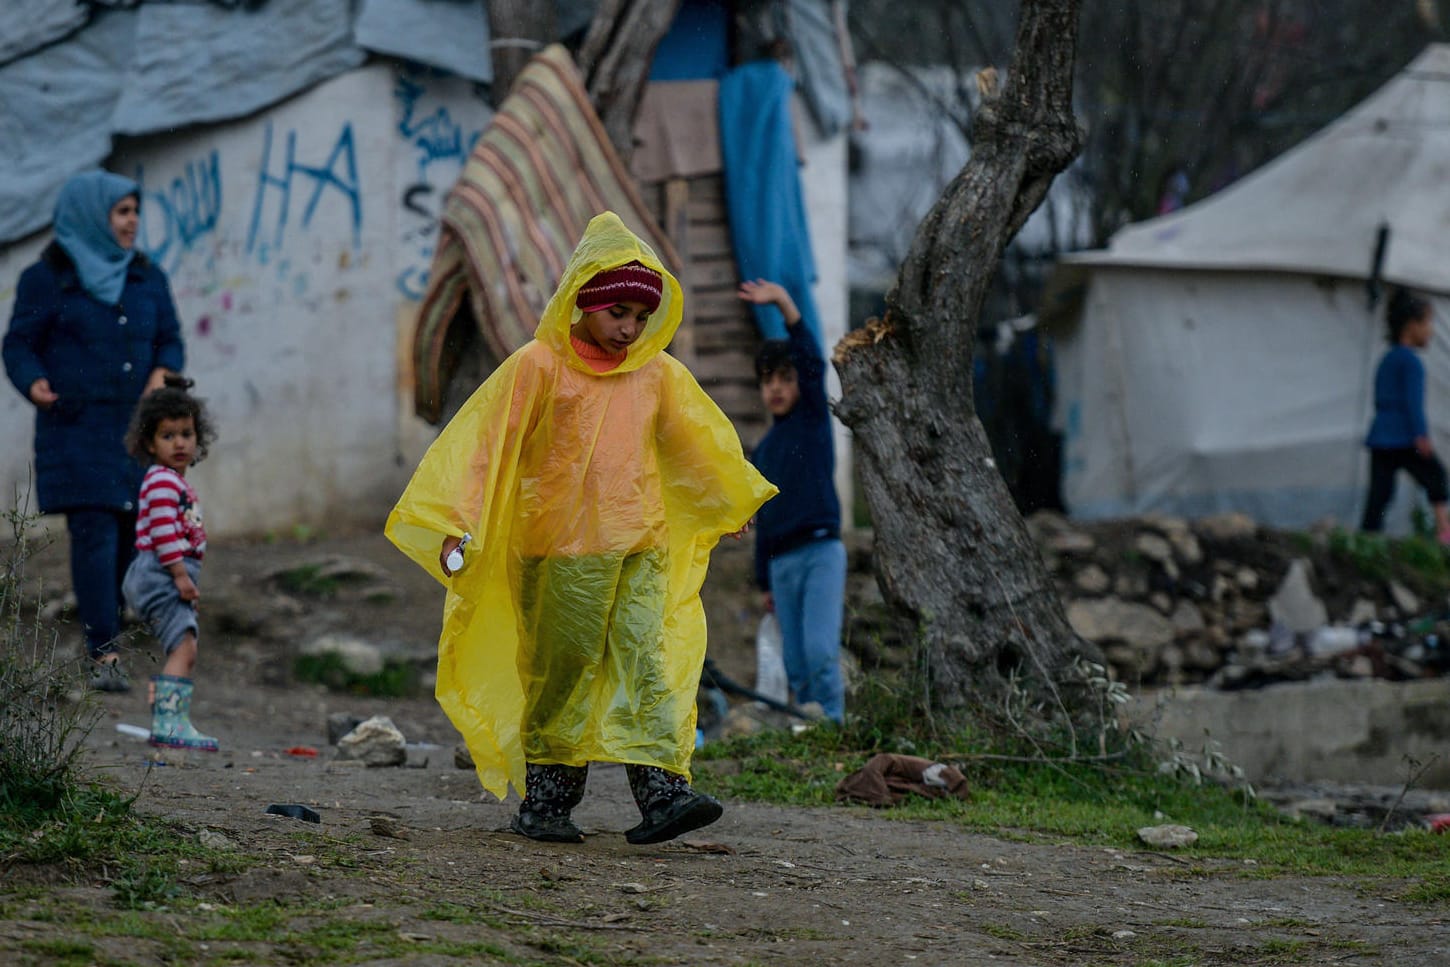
[{"x": 886, "y": 779}]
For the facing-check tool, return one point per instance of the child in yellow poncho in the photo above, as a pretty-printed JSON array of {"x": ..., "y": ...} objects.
[{"x": 594, "y": 476}]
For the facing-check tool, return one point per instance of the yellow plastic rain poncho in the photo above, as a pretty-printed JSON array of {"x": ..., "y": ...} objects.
[{"x": 574, "y": 630}]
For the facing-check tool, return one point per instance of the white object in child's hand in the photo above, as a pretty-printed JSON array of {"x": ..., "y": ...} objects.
[{"x": 455, "y": 556}]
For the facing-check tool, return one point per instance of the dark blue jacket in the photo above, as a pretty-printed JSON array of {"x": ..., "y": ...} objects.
[
  {"x": 1399, "y": 401},
  {"x": 798, "y": 455},
  {"x": 97, "y": 358}
]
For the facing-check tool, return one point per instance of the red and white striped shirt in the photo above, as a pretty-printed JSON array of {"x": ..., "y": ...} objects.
[{"x": 169, "y": 518}]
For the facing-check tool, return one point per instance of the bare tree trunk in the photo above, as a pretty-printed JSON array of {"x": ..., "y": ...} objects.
[
  {"x": 953, "y": 556},
  {"x": 615, "y": 58},
  {"x": 519, "y": 29}
]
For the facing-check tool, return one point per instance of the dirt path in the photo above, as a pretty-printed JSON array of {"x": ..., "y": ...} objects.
[{"x": 766, "y": 885}]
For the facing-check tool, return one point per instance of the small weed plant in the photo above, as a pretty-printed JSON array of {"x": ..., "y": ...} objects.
[
  {"x": 42, "y": 723},
  {"x": 49, "y": 814}
]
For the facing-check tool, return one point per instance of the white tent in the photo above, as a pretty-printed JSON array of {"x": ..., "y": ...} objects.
[{"x": 1222, "y": 357}]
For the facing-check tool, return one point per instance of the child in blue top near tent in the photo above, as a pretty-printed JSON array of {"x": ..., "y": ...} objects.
[
  {"x": 800, "y": 561},
  {"x": 1399, "y": 437}
]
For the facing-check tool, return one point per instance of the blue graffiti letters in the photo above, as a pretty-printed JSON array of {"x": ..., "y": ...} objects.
[
  {"x": 188, "y": 208},
  {"x": 338, "y": 173}
]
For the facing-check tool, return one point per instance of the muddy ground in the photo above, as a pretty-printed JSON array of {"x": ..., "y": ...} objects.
[{"x": 766, "y": 885}]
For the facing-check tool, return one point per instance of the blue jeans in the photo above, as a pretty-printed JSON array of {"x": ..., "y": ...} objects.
[
  {"x": 102, "y": 544},
  {"x": 808, "y": 585}
]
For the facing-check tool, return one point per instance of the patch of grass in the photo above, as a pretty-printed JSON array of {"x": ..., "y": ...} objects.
[
  {"x": 1091, "y": 803},
  {"x": 393, "y": 680},
  {"x": 451, "y": 913},
  {"x": 93, "y": 828},
  {"x": 1278, "y": 947},
  {"x": 1381, "y": 558},
  {"x": 62, "y": 951},
  {"x": 1003, "y": 932},
  {"x": 1428, "y": 891},
  {"x": 310, "y": 580}
]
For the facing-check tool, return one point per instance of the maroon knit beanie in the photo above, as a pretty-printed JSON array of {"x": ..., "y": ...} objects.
[{"x": 631, "y": 282}]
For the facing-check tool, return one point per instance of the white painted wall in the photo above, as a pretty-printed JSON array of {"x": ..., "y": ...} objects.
[{"x": 297, "y": 242}]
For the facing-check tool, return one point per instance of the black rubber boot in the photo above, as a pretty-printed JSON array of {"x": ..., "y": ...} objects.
[
  {"x": 547, "y": 829},
  {"x": 551, "y": 792},
  {"x": 667, "y": 805}
]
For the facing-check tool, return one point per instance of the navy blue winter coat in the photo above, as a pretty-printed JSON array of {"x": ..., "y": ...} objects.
[{"x": 97, "y": 358}]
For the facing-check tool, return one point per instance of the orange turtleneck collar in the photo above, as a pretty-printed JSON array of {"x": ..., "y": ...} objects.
[{"x": 597, "y": 358}]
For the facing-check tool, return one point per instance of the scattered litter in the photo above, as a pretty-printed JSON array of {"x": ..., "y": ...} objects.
[
  {"x": 135, "y": 731},
  {"x": 1123, "y": 935},
  {"x": 294, "y": 811},
  {"x": 302, "y": 751}
]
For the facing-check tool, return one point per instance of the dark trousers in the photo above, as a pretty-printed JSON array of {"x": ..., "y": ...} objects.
[
  {"x": 1428, "y": 472},
  {"x": 102, "y": 544}
]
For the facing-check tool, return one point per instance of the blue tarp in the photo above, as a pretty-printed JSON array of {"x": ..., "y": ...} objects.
[
  {"x": 763, "y": 189},
  {"x": 451, "y": 35},
  {"x": 697, "y": 45},
  {"x": 74, "y": 73},
  {"x": 55, "y": 118},
  {"x": 231, "y": 63},
  {"x": 27, "y": 25}
]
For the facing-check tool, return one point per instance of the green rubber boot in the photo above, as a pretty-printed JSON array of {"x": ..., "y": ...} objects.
[{"x": 171, "y": 726}]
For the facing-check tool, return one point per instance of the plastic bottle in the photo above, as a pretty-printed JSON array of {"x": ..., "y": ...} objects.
[{"x": 455, "y": 556}]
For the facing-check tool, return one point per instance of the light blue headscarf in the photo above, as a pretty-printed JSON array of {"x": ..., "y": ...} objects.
[{"x": 83, "y": 229}]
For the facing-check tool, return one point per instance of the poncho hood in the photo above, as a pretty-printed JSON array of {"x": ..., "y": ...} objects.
[{"x": 608, "y": 244}]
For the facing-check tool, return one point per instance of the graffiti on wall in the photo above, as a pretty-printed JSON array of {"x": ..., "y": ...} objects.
[
  {"x": 179, "y": 215},
  {"x": 441, "y": 146},
  {"x": 204, "y": 217},
  {"x": 273, "y": 199}
]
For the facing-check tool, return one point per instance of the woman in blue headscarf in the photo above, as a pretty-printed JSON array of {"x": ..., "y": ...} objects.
[{"x": 94, "y": 328}]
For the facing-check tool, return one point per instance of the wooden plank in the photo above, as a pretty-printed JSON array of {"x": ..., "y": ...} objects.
[
  {"x": 718, "y": 339},
  {"x": 708, "y": 188},
  {"x": 674, "y": 194},
  {"x": 719, "y": 304},
  {"x": 713, "y": 272},
  {"x": 726, "y": 367},
  {"x": 710, "y": 241},
  {"x": 674, "y": 214}
]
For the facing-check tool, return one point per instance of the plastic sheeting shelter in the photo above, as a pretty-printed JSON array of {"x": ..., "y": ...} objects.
[
  {"x": 71, "y": 77},
  {"x": 1222, "y": 358}
]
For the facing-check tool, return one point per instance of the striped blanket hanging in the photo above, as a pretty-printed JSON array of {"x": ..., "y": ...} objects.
[{"x": 540, "y": 171}]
